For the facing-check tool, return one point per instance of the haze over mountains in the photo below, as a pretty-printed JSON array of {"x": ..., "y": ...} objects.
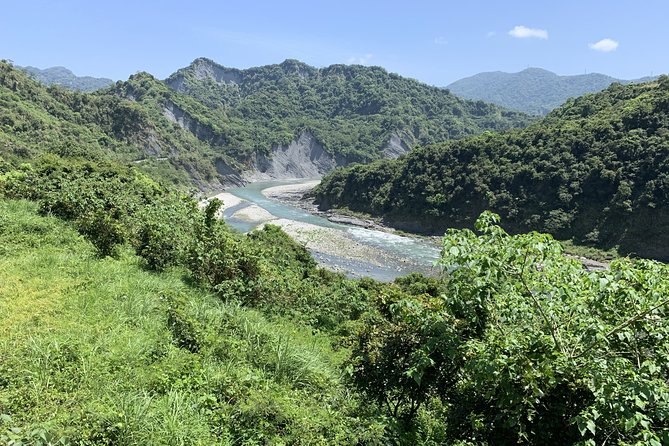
[
  {"x": 66, "y": 78},
  {"x": 534, "y": 90}
]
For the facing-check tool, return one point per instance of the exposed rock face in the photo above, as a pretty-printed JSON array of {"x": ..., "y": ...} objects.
[
  {"x": 206, "y": 69},
  {"x": 176, "y": 115},
  {"x": 396, "y": 147},
  {"x": 231, "y": 176},
  {"x": 302, "y": 158}
]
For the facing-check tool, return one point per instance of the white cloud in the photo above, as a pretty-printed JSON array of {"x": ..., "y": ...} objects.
[
  {"x": 490, "y": 34},
  {"x": 523, "y": 32},
  {"x": 604, "y": 45},
  {"x": 440, "y": 40},
  {"x": 363, "y": 60}
]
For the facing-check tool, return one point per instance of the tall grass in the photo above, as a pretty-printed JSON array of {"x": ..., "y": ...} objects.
[{"x": 88, "y": 355}]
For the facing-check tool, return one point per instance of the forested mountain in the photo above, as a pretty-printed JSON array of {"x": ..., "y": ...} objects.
[
  {"x": 36, "y": 119},
  {"x": 66, "y": 78},
  {"x": 213, "y": 131},
  {"x": 352, "y": 110},
  {"x": 595, "y": 170},
  {"x": 533, "y": 90}
]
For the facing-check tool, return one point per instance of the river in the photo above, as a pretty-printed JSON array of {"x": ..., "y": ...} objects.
[{"x": 353, "y": 250}]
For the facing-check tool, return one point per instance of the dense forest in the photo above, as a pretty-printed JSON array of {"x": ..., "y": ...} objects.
[
  {"x": 596, "y": 171},
  {"x": 352, "y": 110},
  {"x": 533, "y": 90},
  {"x": 36, "y": 119}
]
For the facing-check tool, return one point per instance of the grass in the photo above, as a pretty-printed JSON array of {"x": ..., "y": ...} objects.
[{"x": 93, "y": 351}]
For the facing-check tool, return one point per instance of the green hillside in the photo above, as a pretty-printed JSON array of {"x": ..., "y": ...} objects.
[
  {"x": 534, "y": 91},
  {"x": 595, "y": 171},
  {"x": 351, "y": 109},
  {"x": 35, "y": 119},
  {"x": 209, "y": 135}
]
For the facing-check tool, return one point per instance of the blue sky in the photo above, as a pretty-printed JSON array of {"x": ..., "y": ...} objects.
[{"x": 436, "y": 42}]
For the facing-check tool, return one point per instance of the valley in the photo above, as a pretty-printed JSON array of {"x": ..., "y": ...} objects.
[
  {"x": 162, "y": 281},
  {"x": 353, "y": 250}
]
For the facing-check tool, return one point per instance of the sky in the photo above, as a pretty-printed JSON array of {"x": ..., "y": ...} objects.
[{"x": 436, "y": 42}]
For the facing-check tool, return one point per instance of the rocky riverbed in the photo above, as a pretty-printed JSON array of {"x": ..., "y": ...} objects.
[{"x": 340, "y": 243}]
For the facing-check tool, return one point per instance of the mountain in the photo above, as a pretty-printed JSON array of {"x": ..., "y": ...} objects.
[
  {"x": 37, "y": 120},
  {"x": 534, "y": 91},
  {"x": 355, "y": 113},
  {"x": 65, "y": 78},
  {"x": 213, "y": 126},
  {"x": 594, "y": 171}
]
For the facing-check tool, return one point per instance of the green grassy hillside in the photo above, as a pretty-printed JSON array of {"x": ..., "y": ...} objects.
[{"x": 100, "y": 351}]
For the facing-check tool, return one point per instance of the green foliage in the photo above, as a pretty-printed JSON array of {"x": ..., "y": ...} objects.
[
  {"x": 93, "y": 195},
  {"x": 204, "y": 131},
  {"x": 35, "y": 120},
  {"x": 404, "y": 361},
  {"x": 352, "y": 110},
  {"x": 593, "y": 171},
  {"x": 98, "y": 351},
  {"x": 165, "y": 231},
  {"x": 550, "y": 353},
  {"x": 516, "y": 343}
]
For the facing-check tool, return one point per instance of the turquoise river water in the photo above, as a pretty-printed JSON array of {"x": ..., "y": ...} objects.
[{"x": 401, "y": 254}]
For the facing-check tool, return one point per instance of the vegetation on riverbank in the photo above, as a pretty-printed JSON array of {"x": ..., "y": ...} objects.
[{"x": 594, "y": 171}]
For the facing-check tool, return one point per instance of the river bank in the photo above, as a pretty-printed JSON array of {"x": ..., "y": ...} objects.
[
  {"x": 296, "y": 196},
  {"x": 350, "y": 247}
]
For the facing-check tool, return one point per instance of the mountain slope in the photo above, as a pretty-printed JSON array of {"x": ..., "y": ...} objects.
[
  {"x": 66, "y": 78},
  {"x": 594, "y": 170},
  {"x": 533, "y": 90},
  {"x": 35, "y": 119},
  {"x": 357, "y": 113},
  {"x": 279, "y": 121}
]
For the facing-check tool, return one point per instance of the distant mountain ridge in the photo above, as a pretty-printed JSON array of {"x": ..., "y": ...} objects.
[
  {"x": 534, "y": 90},
  {"x": 66, "y": 78}
]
